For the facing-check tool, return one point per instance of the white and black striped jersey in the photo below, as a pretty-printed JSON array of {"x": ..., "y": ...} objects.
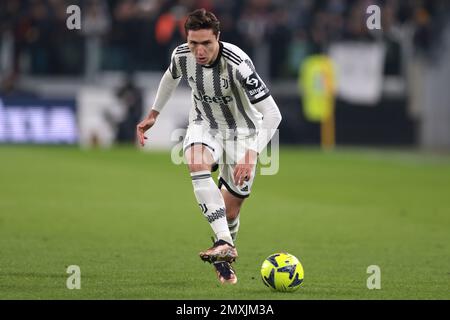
[{"x": 224, "y": 92}]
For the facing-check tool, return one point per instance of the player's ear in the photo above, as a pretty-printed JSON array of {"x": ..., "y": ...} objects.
[{"x": 218, "y": 35}]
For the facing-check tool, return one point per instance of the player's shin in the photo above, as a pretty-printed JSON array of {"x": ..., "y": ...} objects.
[
  {"x": 210, "y": 201},
  {"x": 233, "y": 226}
]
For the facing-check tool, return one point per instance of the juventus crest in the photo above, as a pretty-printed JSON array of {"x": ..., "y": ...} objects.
[{"x": 225, "y": 84}]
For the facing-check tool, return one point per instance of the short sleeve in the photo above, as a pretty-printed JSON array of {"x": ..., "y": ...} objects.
[
  {"x": 252, "y": 84},
  {"x": 173, "y": 67}
]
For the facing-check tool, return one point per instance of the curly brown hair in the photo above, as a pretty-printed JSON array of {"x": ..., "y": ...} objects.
[{"x": 202, "y": 19}]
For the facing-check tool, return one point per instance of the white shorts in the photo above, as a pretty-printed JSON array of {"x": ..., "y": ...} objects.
[{"x": 226, "y": 152}]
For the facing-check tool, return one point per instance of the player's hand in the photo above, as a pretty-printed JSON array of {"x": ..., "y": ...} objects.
[
  {"x": 144, "y": 125},
  {"x": 244, "y": 168}
]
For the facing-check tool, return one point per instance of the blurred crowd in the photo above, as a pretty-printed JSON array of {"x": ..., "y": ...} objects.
[{"x": 140, "y": 34}]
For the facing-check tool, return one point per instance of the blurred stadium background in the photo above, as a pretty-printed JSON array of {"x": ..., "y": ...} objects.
[
  {"x": 392, "y": 84},
  {"x": 64, "y": 90}
]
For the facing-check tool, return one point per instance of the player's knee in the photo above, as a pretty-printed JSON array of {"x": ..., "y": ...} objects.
[
  {"x": 196, "y": 167},
  {"x": 198, "y": 159}
]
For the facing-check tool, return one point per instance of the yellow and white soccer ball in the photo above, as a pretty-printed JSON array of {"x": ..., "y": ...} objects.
[{"x": 282, "y": 272}]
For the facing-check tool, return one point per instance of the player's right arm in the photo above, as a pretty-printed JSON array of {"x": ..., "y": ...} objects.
[
  {"x": 167, "y": 85},
  {"x": 144, "y": 125}
]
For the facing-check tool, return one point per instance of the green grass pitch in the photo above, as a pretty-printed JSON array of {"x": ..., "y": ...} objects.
[{"x": 130, "y": 221}]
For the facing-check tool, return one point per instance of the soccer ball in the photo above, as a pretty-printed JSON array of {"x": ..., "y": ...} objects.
[{"x": 282, "y": 272}]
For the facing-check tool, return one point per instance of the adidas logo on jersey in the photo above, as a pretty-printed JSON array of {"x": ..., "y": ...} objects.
[{"x": 220, "y": 99}]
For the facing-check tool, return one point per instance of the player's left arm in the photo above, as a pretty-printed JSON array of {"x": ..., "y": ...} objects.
[
  {"x": 271, "y": 120},
  {"x": 260, "y": 97}
]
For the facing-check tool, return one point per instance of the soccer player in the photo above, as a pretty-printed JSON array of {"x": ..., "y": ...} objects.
[{"x": 232, "y": 119}]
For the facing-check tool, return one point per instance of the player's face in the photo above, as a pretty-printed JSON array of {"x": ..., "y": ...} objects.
[{"x": 204, "y": 45}]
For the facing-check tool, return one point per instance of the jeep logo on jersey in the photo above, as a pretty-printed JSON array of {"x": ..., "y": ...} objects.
[{"x": 208, "y": 99}]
